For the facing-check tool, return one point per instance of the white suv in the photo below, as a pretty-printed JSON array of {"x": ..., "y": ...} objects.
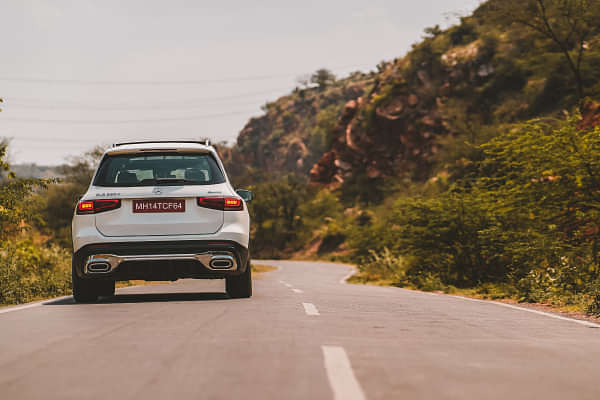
[{"x": 160, "y": 211}]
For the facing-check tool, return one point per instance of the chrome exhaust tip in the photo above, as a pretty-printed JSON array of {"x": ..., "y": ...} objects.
[
  {"x": 98, "y": 267},
  {"x": 221, "y": 262}
]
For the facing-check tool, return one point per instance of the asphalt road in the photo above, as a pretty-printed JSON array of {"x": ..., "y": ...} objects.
[{"x": 304, "y": 335}]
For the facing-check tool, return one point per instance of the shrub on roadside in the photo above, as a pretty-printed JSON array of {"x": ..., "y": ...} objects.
[
  {"x": 383, "y": 265},
  {"x": 29, "y": 272},
  {"x": 56, "y": 205},
  {"x": 525, "y": 221}
]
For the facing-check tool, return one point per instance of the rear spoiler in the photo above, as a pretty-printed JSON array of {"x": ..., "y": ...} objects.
[
  {"x": 116, "y": 150},
  {"x": 205, "y": 142}
]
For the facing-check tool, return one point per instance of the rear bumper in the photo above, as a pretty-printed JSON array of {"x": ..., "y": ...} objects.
[
  {"x": 160, "y": 260},
  {"x": 235, "y": 228}
]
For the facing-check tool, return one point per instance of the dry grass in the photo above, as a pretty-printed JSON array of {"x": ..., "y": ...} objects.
[
  {"x": 122, "y": 284},
  {"x": 260, "y": 268}
]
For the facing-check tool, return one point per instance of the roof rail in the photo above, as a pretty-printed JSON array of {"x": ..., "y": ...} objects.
[{"x": 203, "y": 142}]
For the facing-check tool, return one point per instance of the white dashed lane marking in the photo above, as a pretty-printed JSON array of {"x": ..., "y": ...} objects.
[
  {"x": 340, "y": 374},
  {"x": 310, "y": 309},
  {"x": 298, "y": 291}
]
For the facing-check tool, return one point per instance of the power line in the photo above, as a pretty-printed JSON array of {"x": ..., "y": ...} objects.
[
  {"x": 142, "y": 83},
  {"x": 114, "y": 108},
  {"x": 42, "y": 142},
  {"x": 203, "y": 100},
  {"x": 122, "y": 107},
  {"x": 159, "y": 82},
  {"x": 125, "y": 121}
]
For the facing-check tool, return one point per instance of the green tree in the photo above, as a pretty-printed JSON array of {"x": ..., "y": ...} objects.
[
  {"x": 432, "y": 32},
  {"x": 320, "y": 136},
  {"x": 15, "y": 198},
  {"x": 527, "y": 216},
  {"x": 276, "y": 220},
  {"x": 567, "y": 23},
  {"x": 323, "y": 78},
  {"x": 59, "y": 201},
  {"x": 545, "y": 177}
]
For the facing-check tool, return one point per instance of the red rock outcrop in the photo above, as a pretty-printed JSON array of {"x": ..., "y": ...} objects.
[
  {"x": 326, "y": 169},
  {"x": 384, "y": 135},
  {"x": 590, "y": 115}
]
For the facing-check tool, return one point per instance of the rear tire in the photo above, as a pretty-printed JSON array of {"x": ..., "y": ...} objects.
[
  {"x": 106, "y": 288},
  {"x": 240, "y": 286},
  {"x": 84, "y": 291},
  {"x": 87, "y": 290}
]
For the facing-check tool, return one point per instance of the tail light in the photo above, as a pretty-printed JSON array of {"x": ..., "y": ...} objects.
[
  {"x": 221, "y": 203},
  {"x": 97, "y": 206}
]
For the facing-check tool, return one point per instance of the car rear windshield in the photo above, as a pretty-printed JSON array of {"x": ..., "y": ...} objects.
[{"x": 159, "y": 169}]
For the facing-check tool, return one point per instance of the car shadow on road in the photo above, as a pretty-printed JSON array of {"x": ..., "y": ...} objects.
[{"x": 146, "y": 298}]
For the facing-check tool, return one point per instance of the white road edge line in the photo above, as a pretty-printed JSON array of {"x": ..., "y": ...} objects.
[
  {"x": 31, "y": 305},
  {"x": 297, "y": 291},
  {"x": 340, "y": 374},
  {"x": 344, "y": 280},
  {"x": 50, "y": 301},
  {"x": 310, "y": 309},
  {"x": 546, "y": 314}
]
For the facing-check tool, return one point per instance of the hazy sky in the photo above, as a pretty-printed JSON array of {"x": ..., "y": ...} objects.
[{"x": 78, "y": 73}]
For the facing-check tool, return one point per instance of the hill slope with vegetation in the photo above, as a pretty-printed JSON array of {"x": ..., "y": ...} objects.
[
  {"x": 464, "y": 165},
  {"x": 295, "y": 129}
]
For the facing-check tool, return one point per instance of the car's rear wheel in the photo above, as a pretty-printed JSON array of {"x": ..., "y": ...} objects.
[
  {"x": 83, "y": 291},
  {"x": 87, "y": 290},
  {"x": 240, "y": 286},
  {"x": 105, "y": 288}
]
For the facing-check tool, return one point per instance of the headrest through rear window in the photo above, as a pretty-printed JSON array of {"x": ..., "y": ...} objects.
[
  {"x": 127, "y": 177},
  {"x": 196, "y": 174}
]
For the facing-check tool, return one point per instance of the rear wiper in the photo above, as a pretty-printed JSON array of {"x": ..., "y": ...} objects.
[{"x": 166, "y": 181}]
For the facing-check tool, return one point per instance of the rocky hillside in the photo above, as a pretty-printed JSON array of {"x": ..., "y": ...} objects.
[
  {"x": 295, "y": 130},
  {"x": 458, "y": 85},
  {"x": 458, "y": 82}
]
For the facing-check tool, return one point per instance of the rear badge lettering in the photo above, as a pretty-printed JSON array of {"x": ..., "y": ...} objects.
[{"x": 114, "y": 194}]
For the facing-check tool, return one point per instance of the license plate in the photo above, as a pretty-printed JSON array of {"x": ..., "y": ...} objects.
[{"x": 159, "y": 206}]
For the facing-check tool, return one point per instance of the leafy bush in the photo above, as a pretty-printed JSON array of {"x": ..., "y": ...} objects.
[
  {"x": 29, "y": 272},
  {"x": 276, "y": 224},
  {"x": 462, "y": 33},
  {"x": 526, "y": 216},
  {"x": 443, "y": 236},
  {"x": 383, "y": 265},
  {"x": 320, "y": 136},
  {"x": 593, "y": 306},
  {"x": 56, "y": 206},
  {"x": 15, "y": 199}
]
